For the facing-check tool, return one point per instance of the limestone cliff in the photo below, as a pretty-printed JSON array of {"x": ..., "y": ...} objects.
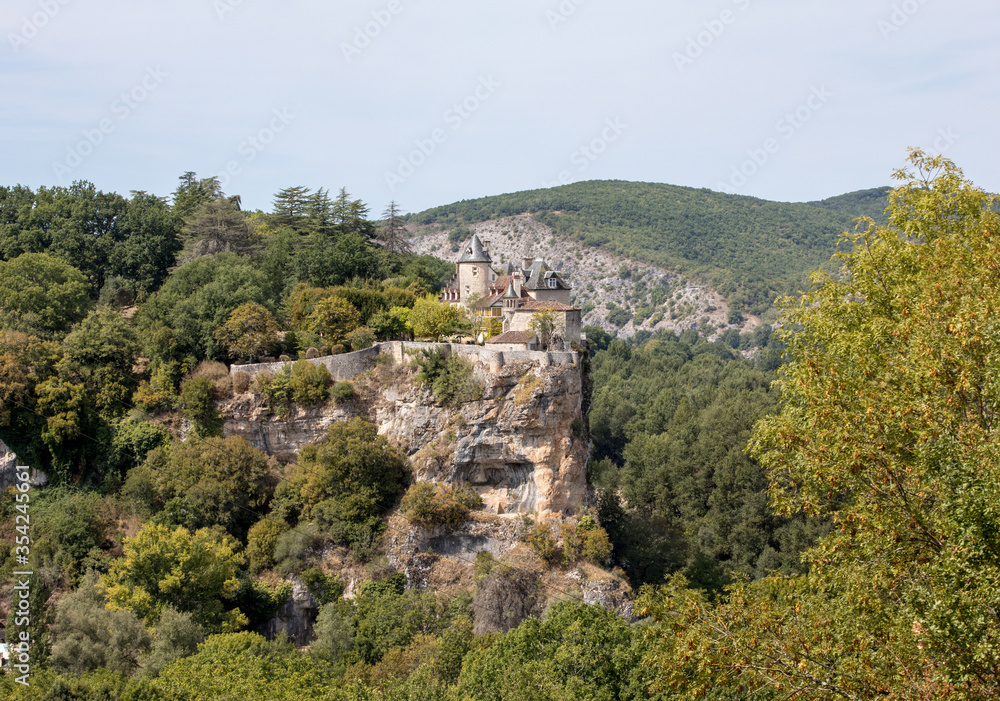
[{"x": 522, "y": 444}]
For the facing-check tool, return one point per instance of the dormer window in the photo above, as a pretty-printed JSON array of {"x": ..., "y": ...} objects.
[
  {"x": 552, "y": 283},
  {"x": 468, "y": 251}
]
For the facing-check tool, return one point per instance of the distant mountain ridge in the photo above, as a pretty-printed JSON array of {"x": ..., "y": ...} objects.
[{"x": 750, "y": 250}]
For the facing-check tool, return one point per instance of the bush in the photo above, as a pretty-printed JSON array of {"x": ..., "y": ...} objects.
[
  {"x": 198, "y": 402},
  {"x": 324, "y": 588},
  {"x": 434, "y": 505},
  {"x": 262, "y": 541},
  {"x": 360, "y": 338},
  {"x": 301, "y": 383},
  {"x": 295, "y": 549},
  {"x": 541, "y": 540},
  {"x": 450, "y": 379},
  {"x": 241, "y": 382},
  {"x": 312, "y": 353},
  {"x": 342, "y": 391}
]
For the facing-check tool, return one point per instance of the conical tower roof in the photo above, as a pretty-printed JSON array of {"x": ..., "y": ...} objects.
[{"x": 474, "y": 252}]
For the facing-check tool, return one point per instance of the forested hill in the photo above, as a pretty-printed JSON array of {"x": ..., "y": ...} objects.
[{"x": 751, "y": 250}]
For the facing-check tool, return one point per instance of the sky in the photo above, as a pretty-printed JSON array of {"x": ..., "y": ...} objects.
[{"x": 428, "y": 103}]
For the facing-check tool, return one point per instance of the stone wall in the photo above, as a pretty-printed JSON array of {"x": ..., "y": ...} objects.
[{"x": 348, "y": 366}]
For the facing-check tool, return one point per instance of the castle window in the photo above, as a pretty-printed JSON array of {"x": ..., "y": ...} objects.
[{"x": 475, "y": 272}]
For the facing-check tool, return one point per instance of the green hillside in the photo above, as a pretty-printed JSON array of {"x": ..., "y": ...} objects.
[{"x": 751, "y": 250}]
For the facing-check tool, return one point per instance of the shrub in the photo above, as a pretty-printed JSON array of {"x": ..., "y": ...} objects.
[
  {"x": 312, "y": 353},
  {"x": 541, "y": 540},
  {"x": 198, "y": 402},
  {"x": 342, "y": 391},
  {"x": 241, "y": 382},
  {"x": 360, "y": 338},
  {"x": 295, "y": 549},
  {"x": 309, "y": 382},
  {"x": 262, "y": 540},
  {"x": 596, "y": 546},
  {"x": 450, "y": 379},
  {"x": 324, "y": 588},
  {"x": 433, "y": 505}
]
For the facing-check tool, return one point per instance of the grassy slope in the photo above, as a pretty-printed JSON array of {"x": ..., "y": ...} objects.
[{"x": 750, "y": 249}]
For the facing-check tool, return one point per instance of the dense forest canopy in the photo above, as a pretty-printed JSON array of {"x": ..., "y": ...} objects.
[{"x": 751, "y": 250}]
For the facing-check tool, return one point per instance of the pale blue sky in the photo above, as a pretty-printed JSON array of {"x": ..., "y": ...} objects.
[{"x": 433, "y": 102}]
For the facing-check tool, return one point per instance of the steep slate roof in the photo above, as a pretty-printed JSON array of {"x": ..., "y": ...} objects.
[
  {"x": 474, "y": 252},
  {"x": 538, "y": 275}
]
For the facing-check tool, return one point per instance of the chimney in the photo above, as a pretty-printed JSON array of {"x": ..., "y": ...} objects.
[
  {"x": 526, "y": 262},
  {"x": 486, "y": 247}
]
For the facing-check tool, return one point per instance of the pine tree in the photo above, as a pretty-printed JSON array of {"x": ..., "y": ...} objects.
[{"x": 392, "y": 230}]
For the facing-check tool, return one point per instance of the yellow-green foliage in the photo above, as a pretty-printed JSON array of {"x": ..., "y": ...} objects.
[
  {"x": 193, "y": 572},
  {"x": 525, "y": 388},
  {"x": 262, "y": 538},
  {"x": 433, "y": 505}
]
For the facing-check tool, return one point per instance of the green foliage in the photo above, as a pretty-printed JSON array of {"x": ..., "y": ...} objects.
[
  {"x": 451, "y": 379},
  {"x": 673, "y": 416},
  {"x": 198, "y": 298},
  {"x": 887, "y": 431},
  {"x": 324, "y": 588},
  {"x": 89, "y": 636},
  {"x": 249, "y": 333},
  {"x": 342, "y": 391},
  {"x": 193, "y": 572},
  {"x": 176, "y": 635},
  {"x": 333, "y": 318},
  {"x": 360, "y": 338},
  {"x": 430, "y": 318},
  {"x": 295, "y": 549},
  {"x": 197, "y": 401},
  {"x": 201, "y": 483},
  {"x": 262, "y": 540},
  {"x": 301, "y": 382},
  {"x": 433, "y": 505},
  {"x": 576, "y": 652},
  {"x": 41, "y": 294},
  {"x": 355, "y": 468},
  {"x": 323, "y": 263}
]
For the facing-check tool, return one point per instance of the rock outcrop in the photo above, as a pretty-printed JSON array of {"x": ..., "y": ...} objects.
[{"x": 522, "y": 444}]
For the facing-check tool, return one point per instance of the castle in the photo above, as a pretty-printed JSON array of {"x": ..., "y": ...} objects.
[{"x": 510, "y": 296}]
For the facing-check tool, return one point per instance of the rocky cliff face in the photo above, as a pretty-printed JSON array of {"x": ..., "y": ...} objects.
[{"x": 523, "y": 444}]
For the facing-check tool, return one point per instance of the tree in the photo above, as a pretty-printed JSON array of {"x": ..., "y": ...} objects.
[
  {"x": 220, "y": 481},
  {"x": 191, "y": 193},
  {"x": 350, "y": 215},
  {"x": 431, "y": 318},
  {"x": 219, "y": 226},
  {"x": 333, "y": 318},
  {"x": 102, "y": 349},
  {"x": 392, "y": 230},
  {"x": 543, "y": 324},
  {"x": 889, "y": 430},
  {"x": 89, "y": 636},
  {"x": 150, "y": 243},
  {"x": 193, "y": 572},
  {"x": 41, "y": 294},
  {"x": 250, "y": 332},
  {"x": 290, "y": 206},
  {"x": 355, "y": 467},
  {"x": 325, "y": 263}
]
